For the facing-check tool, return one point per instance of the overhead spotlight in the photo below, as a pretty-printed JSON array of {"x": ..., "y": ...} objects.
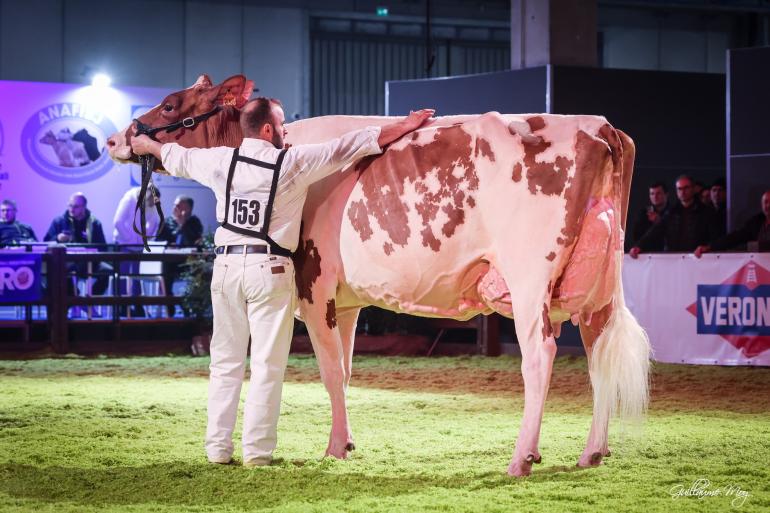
[{"x": 101, "y": 80}]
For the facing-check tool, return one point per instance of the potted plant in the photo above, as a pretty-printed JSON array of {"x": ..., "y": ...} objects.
[{"x": 197, "y": 300}]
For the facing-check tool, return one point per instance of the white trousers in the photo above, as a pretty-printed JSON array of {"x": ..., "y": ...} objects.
[{"x": 250, "y": 296}]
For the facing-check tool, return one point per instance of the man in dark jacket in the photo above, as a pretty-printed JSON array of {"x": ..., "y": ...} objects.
[
  {"x": 651, "y": 215},
  {"x": 687, "y": 225},
  {"x": 180, "y": 229},
  {"x": 78, "y": 225},
  {"x": 13, "y": 232},
  {"x": 718, "y": 197},
  {"x": 754, "y": 234}
]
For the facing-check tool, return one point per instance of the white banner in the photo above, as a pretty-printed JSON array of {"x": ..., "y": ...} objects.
[{"x": 713, "y": 310}]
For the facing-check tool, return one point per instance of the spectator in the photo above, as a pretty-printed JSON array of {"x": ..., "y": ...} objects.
[
  {"x": 687, "y": 225},
  {"x": 124, "y": 216},
  {"x": 13, "y": 232},
  {"x": 718, "y": 201},
  {"x": 78, "y": 225},
  {"x": 651, "y": 215},
  {"x": 755, "y": 233},
  {"x": 182, "y": 228},
  {"x": 698, "y": 191}
]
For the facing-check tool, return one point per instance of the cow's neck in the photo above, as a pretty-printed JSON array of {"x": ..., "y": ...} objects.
[{"x": 224, "y": 129}]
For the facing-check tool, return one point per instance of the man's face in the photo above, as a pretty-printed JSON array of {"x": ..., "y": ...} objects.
[
  {"x": 718, "y": 194},
  {"x": 279, "y": 130},
  {"x": 182, "y": 211},
  {"x": 657, "y": 196},
  {"x": 766, "y": 204},
  {"x": 77, "y": 208},
  {"x": 684, "y": 191},
  {"x": 7, "y": 213}
]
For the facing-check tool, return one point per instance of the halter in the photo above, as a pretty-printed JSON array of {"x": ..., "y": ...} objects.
[{"x": 148, "y": 164}]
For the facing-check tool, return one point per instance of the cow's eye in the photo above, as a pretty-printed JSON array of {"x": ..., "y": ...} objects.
[{"x": 168, "y": 107}]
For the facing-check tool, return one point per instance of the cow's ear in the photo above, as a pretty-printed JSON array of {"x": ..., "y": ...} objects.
[
  {"x": 203, "y": 81},
  {"x": 234, "y": 91}
]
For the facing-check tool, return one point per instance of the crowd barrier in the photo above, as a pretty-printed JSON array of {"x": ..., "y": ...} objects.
[
  {"x": 709, "y": 310},
  {"x": 53, "y": 286}
]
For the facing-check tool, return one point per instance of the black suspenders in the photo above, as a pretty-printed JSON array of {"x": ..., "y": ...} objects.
[{"x": 264, "y": 233}]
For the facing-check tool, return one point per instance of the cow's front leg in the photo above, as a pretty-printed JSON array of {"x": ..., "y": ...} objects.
[
  {"x": 538, "y": 348},
  {"x": 327, "y": 345}
]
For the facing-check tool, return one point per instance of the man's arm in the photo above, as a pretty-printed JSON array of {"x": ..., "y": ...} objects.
[
  {"x": 316, "y": 161},
  {"x": 192, "y": 163}
]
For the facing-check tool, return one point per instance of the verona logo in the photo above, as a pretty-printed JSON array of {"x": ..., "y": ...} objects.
[
  {"x": 65, "y": 142},
  {"x": 738, "y": 309}
]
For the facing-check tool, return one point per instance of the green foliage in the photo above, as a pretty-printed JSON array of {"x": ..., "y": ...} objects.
[
  {"x": 196, "y": 273},
  {"x": 115, "y": 435}
]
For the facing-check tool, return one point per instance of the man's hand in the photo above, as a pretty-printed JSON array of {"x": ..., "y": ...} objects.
[
  {"x": 143, "y": 145},
  {"x": 395, "y": 131},
  {"x": 700, "y": 250},
  {"x": 634, "y": 252}
]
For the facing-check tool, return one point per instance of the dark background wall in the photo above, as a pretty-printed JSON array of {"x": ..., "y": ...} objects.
[{"x": 747, "y": 131}]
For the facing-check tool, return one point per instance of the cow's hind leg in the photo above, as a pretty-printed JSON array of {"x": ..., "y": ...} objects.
[
  {"x": 325, "y": 334},
  {"x": 346, "y": 323},
  {"x": 597, "y": 446},
  {"x": 538, "y": 348}
]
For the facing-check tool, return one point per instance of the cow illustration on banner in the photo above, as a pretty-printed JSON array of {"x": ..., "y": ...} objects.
[
  {"x": 738, "y": 309},
  {"x": 64, "y": 142}
]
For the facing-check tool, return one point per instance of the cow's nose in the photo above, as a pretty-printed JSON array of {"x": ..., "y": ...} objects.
[{"x": 111, "y": 142}]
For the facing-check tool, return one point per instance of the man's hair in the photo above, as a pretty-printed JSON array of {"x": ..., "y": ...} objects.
[
  {"x": 80, "y": 195},
  {"x": 9, "y": 202},
  {"x": 720, "y": 182},
  {"x": 256, "y": 113},
  {"x": 684, "y": 177},
  {"x": 186, "y": 199},
  {"x": 661, "y": 185}
]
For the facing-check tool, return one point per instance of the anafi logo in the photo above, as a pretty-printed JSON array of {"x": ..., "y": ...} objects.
[
  {"x": 64, "y": 142},
  {"x": 20, "y": 278},
  {"x": 738, "y": 309}
]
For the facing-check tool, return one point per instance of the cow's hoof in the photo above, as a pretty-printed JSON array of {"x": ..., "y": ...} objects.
[
  {"x": 350, "y": 447},
  {"x": 593, "y": 459},
  {"x": 520, "y": 468}
]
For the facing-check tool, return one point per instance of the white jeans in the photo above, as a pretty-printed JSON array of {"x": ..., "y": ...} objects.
[{"x": 250, "y": 296}]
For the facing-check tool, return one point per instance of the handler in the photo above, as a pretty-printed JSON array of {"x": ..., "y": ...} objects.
[{"x": 260, "y": 191}]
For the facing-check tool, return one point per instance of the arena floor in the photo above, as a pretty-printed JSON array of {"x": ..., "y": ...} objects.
[{"x": 433, "y": 434}]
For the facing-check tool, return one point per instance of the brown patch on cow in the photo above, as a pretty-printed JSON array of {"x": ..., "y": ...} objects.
[
  {"x": 430, "y": 240},
  {"x": 517, "y": 172},
  {"x": 387, "y": 248},
  {"x": 456, "y": 217},
  {"x": 331, "y": 314},
  {"x": 547, "y": 328},
  {"x": 359, "y": 219},
  {"x": 536, "y": 123},
  {"x": 590, "y": 157},
  {"x": 383, "y": 186},
  {"x": 484, "y": 148},
  {"x": 547, "y": 177},
  {"x": 471, "y": 201},
  {"x": 415, "y": 135},
  {"x": 551, "y": 256},
  {"x": 307, "y": 262},
  {"x": 550, "y": 286}
]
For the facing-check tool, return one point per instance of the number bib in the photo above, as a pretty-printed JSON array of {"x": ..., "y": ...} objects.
[{"x": 246, "y": 213}]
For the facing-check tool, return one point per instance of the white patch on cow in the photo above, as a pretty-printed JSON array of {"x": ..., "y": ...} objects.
[{"x": 385, "y": 189}]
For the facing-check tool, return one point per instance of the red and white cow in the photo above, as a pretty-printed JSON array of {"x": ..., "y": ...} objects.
[{"x": 517, "y": 214}]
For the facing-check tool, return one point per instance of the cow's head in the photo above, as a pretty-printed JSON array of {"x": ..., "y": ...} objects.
[{"x": 221, "y": 129}]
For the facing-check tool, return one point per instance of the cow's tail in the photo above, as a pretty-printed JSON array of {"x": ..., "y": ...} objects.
[{"x": 620, "y": 357}]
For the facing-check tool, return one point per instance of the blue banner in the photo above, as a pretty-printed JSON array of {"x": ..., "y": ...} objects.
[
  {"x": 20, "y": 277},
  {"x": 733, "y": 309}
]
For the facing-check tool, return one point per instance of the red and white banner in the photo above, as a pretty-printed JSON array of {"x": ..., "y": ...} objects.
[{"x": 713, "y": 310}]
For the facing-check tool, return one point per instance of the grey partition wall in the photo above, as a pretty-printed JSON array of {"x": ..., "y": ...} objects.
[
  {"x": 503, "y": 91},
  {"x": 747, "y": 133}
]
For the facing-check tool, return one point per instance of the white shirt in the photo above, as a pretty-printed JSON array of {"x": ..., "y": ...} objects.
[
  {"x": 124, "y": 220},
  {"x": 302, "y": 166}
]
